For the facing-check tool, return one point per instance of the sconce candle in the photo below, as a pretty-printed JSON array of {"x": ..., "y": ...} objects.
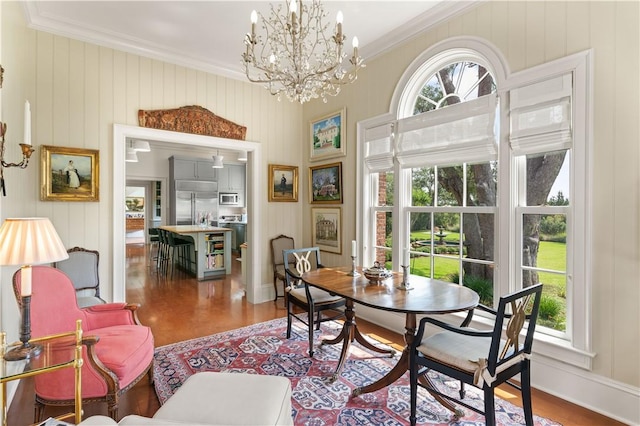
[
  {"x": 353, "y": 248},
  {"x": 27, "y": 123}
]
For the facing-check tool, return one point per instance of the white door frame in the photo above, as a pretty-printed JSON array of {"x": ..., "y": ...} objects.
[{"x": 121, "y": 133}]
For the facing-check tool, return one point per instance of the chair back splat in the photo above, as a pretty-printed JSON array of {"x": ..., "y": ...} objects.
[
  {"x": 481, "y": 358},
  {"x": 310, "y": 299}
]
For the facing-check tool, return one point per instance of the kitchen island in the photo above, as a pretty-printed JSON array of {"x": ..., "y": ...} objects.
[{"x": 211, "y": 249}]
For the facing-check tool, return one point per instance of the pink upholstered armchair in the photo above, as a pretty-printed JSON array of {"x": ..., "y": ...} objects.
[{"x": 118, "y": 350}]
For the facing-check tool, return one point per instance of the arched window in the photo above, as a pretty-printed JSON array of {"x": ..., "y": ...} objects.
[{"x": 479, "y": 179}]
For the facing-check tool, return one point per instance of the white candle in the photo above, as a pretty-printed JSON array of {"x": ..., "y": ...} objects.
[
  {"x": 25, "y": 281},
  {"x": 406, "y": 257},
  {"x": 353, "y": 248},
  {"x": 27, "y": 123}
]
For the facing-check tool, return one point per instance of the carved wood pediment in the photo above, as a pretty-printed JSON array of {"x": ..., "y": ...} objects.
[{"x": 191, "y": 119}]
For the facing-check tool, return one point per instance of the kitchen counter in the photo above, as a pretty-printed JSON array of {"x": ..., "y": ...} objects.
[
  {"x": 211, "y": 248},
  {"x": 192, "y": 229}
]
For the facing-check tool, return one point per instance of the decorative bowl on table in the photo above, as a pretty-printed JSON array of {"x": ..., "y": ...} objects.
[{"x": 376, "y": 273}]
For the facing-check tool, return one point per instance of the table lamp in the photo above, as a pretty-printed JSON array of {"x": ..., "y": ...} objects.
[{"x": 25, "y": 242}]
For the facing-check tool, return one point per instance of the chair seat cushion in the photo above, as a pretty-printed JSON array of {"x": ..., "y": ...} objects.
[
  {"x": 456, "y": 350},
  {"x": 125, "y": 349},
  {"x": 279, "y": 271},
  {"x": 465, "y": 353},
  {"x": 319, "y": 296}
]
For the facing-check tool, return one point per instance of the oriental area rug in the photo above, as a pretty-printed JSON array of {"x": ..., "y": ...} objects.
[{"x": 264, "y": 349}]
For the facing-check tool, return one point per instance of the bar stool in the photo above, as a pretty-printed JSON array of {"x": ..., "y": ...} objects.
[
  {"x": 154, "y": 241},
  {"x": 163, "y": 250},
  {"x": 179, "y": 250}
]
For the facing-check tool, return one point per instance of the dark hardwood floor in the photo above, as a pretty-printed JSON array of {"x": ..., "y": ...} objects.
[{"x": 179, "y": 308}]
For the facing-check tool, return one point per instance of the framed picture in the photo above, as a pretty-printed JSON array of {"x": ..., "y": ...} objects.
[
  {"x": 326, "y": 228},
  {"x": 325, "y": 184},
  {"x": 134, "y": 204},
  {"x": 69, "y": 174},
  {"x": 283, "y": 183},
  {"x": 328, "y": 136}
]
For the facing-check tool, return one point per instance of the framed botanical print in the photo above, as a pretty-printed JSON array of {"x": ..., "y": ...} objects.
[
  {"x": 328, "y": 136},
  {"x": 325, "y": 184},
  {"x": 326, "y": 229},
  {"x": 283, "y": 183},
  {"x": 69, "y": 174}
]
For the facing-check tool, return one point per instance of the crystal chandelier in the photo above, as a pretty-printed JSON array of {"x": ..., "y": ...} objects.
[{"x": 297, "y": 58}]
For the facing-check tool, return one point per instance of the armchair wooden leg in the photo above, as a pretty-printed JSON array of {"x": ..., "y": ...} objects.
[
  {"x": 525, "y": 389},
  {"x": 112, "y": 406},
  {"x": 288, "y": 322},
  {"x": 413, "y": 401},
  {"x": 38, "y": 412},
  {"x": 275, "y": 288},
  {"x": 311, "y": 329},
  {"x": 489, "y": 407},
  {"x": 150, "y": 373}
]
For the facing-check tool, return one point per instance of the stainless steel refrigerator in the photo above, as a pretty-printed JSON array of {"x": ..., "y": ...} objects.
[{"x": 193, "y": 200}]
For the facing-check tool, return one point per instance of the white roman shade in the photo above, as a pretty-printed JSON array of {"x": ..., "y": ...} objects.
[
  {"x": 540, "y": 116},
  {"x": 379, "y": 148},
  {"x": 459, "y": 133}
]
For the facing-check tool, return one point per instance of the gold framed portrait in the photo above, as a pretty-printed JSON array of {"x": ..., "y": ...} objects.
[
  {"x": 283, "y": 183},
  {"x": 69, "y": 174}
]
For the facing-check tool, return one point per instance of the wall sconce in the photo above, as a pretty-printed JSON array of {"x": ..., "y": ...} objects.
[{"x": 26, "y": 147}]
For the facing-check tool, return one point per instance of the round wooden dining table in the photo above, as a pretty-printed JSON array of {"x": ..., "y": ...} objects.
[{"x": 422, "y": 296}]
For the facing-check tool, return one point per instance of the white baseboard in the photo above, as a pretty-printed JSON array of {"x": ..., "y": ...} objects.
[
  {"x": 265, "y": 293},
  {"x": 608, "y": 397}
]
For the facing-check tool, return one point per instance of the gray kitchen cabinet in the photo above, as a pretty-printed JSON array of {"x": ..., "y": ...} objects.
[
  {"x": 191, "y": 169},
  {"x": 231, "y": 178},
  {"x": 238, "y": 234}
]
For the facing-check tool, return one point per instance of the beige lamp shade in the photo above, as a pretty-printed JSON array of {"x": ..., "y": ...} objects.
[{"x": 30, "y": 241}]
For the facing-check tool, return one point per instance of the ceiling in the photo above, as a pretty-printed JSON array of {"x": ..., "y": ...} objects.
[{"x": 208, "y": 35}]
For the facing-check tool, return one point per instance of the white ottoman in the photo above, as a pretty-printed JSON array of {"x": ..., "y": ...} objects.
[
  {"x": 220, "y": 399},
  {"x": 230, "y": 399}
]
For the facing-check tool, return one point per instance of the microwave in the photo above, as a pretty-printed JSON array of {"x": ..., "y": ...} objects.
[{"x": 229, "y": 198}]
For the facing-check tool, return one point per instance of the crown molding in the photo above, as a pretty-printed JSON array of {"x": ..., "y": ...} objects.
[{"x": 39, "y": 20}]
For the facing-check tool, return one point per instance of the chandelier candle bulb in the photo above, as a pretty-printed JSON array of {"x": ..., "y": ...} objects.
[
  {"x": 254, "y": 19},
  {"x": 339, "y": 19},
  {"x": 27, "y": 123}
]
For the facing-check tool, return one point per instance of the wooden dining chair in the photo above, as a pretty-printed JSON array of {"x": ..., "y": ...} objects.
[
  {"x": 278, "y": 244},
  {"x": 310, "y": 299},
  {"x": 480, "y": 358}
]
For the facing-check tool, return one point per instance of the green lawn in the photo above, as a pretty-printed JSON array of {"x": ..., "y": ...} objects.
[{"x": 551, "y": 256}]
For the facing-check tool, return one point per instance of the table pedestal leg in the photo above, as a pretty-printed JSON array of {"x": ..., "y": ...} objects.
[
  {"x": 403, "y": 366},
  {"x": 347, "y": 335}
]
